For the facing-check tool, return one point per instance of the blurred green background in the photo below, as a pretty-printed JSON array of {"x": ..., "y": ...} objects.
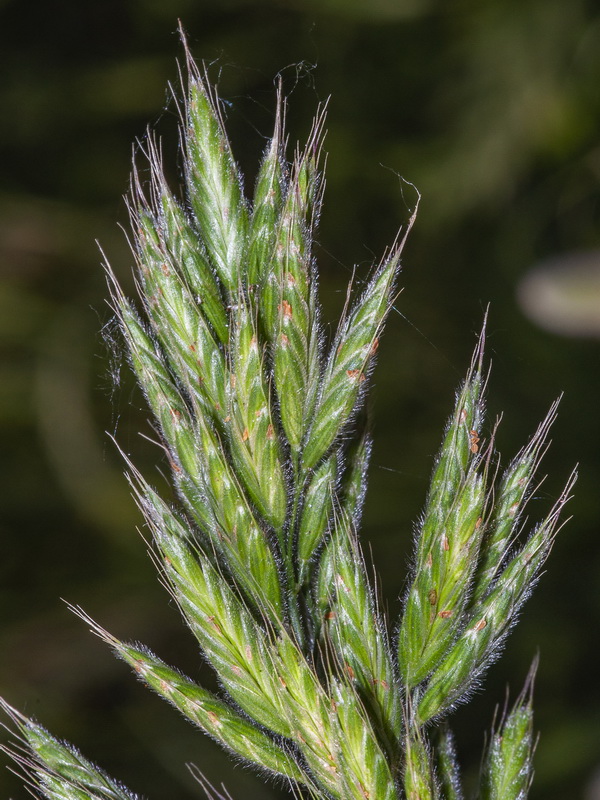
[{"x": 492, "y": 109}]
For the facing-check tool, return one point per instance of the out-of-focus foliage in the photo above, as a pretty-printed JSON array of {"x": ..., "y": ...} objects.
[
  {"x": 563, "y": 294},
  {"x": 492, "y": 109}
]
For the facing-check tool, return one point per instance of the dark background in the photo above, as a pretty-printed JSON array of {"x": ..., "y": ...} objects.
[{"x": 492, "y": 109}]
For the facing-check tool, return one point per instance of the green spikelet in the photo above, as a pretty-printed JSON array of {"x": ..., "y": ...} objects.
[
  {"x": 255, "y": 444},
  {"x": 214, "y": 184},
  {"x": 349, "y": 362},
  {"x": 352, "y": 626},
  {"x": 507, "y": 770},
  {"x": 448, "y": 544},
  {"x": 448, "y": 768},
  {"x": 288, "y": 300},
  {"x": 57, "y": 769}
]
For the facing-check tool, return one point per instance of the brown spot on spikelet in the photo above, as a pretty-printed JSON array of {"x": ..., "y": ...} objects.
[
  {"x": 286, "y": 310},
  {"x": 429, "y": 561},
  {"x": 474, "y": 437},
  {"x": 480, "y": 625},
  {"x": 330, "y": 615},
  {"x": 350, "y": 671},
  {"x": 245, "y": 435},
  {"x": 446, "y": 614},
  {"x": 445, "y": 542},
  {"x": 165, "y": 269},
  {"x": 216, "y": 626},
  {"x": 432, "y": 597},
  {"x": 270, "y": 431},
  {"x": 213, "y": 718},
  {"x": 355, "y": 374}
]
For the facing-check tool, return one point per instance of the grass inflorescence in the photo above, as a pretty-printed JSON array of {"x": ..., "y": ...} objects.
[{"x": 260, "y": 421}]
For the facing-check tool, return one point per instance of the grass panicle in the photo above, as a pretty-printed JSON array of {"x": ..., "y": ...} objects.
[{"x": 265, "y": 431}]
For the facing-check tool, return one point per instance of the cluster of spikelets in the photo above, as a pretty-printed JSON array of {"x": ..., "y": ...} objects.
[{"x": 261, "y": 425}]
